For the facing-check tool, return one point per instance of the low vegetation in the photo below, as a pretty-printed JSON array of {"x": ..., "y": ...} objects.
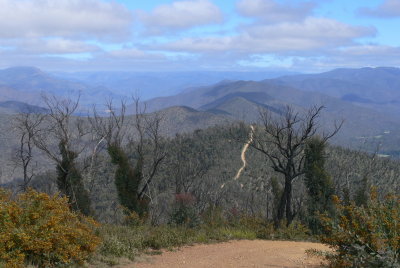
[
  {"x": 364, "y": 236},
  {"x": 41, "y": 230},
  {"x": 214, "y": 226}
]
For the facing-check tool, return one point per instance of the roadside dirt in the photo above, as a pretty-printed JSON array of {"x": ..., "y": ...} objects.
[{"x": 243, "y": 254}]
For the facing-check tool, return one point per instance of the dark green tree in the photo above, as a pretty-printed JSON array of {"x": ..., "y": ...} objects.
[
  {"x": 318, "y": 182},
  {"x": 133, "y": 175},
  {"x": 127, "y": 180},
  {"x": 70, "y": 181}
]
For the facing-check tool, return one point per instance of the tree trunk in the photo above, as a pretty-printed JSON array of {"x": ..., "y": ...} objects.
[
  {"x": 285, "y": 203},
  {"x": 288, "y": 189}
]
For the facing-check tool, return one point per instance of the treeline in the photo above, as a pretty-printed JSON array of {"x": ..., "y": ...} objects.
[{"x": 110, "y": 166}]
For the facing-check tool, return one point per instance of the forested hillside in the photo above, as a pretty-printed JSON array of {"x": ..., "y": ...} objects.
[
  {"x": 205, "y": 162},
  {"x": 193, "y": 170}
]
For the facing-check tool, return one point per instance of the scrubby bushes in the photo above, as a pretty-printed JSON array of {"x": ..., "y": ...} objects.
[
  {"x": 126, "y": 241},
  {"x": 184, "y": 212},
  {"x": 39, "y": 229},
  {"x": 365, "y": 236},
  {"x": 215, "y": 225}
]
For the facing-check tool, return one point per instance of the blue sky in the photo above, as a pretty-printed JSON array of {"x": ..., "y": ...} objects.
[{"x": 214, "y": 35}]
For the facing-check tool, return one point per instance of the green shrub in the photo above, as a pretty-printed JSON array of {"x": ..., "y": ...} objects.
[
  {"x": 42, "y": 230},
  {"x": 214, "y": 217},
  {"x": 265, "y": 229},
  {"x": 133, "y": 219},
  {"x": 121, "y": 241},
  {"x": 184, "y": 212},
  {"x": 295, "y": 231},
  {"x": 262, "y": 228},
  {"x": 367, "y": 236}
]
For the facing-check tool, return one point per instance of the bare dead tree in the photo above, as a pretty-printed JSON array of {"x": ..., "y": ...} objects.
[
  {"x": 111, "y": 128},
  {"x": 61, "y": 138},
  {"x": 142, "y": 135},
  {"x": 27, "y": 125},
  {"x": 146, "y": 143},
  {"x": 282, "y": 140}
]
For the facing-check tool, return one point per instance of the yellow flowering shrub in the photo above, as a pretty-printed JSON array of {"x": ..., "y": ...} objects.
[
  {"x": 39, "y": 229},
  {"x": 366, "y": 236}
]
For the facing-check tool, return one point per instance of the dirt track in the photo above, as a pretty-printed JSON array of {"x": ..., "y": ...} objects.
[
  {"x": 244, "y": 253},
  {"x": 243, "y": 153}
]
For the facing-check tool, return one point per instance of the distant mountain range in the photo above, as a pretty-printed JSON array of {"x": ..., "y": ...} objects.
[
  {"x": 155, "y": 84},
  {"x": 376, "y": 88},
  {"x": 364, "y": 122},
  {"x": 367, "y": 98},
  {"x": 26, "y": 84}
]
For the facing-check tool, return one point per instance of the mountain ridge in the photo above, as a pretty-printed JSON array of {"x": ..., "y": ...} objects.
[{"x": 250, "y": 96}]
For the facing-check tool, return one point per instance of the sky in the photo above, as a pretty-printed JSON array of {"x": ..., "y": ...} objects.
[{"x": 199, "y": 35}]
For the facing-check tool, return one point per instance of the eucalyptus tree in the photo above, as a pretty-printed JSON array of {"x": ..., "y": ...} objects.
[
  {"x": 134, "y": 145},
  {"x": 61, "y": 136},
  {"x": 282, "y": 139}
]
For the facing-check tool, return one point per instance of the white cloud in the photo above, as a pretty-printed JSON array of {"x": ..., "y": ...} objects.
[
  {"x": 181, "y": 15},
  {"x": 74, "y": 34},
  {"x": 134, "y": 53},
  {"x": 388, "y": 9},
  {"x": 350, "y": 57},
  {"x": 54, "y": 46},
  {"x": 367, "y": 55},
  {"x": 309, "y": 34},
  {"x": 63, "y": 18},
  {"x": 290, "y": 37},
  {"x": 372, "y": 50},
  {"x": 272, "y": 11}
]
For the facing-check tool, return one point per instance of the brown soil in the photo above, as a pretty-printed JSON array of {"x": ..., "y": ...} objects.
[{"x": 243, "y": 253}]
